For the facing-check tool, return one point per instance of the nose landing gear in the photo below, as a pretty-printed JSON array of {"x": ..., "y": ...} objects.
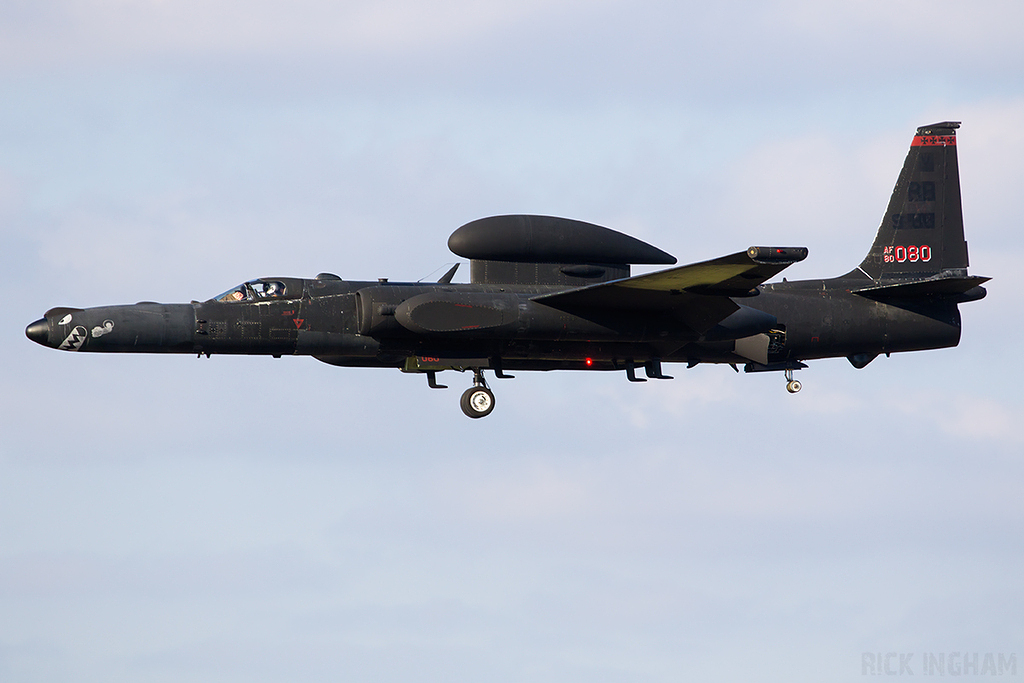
[{"x": 478, "y": 400}]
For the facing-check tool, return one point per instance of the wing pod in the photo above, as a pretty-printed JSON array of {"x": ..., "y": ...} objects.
[
  {"x": 448, "y": 313},
  {"x": 397, "y": 311}
]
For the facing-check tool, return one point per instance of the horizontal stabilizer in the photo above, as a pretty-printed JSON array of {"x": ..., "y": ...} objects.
[{"x": 938, "y": 285}]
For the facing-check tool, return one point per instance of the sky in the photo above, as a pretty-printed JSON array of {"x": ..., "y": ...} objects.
[{"x": 233, "y": 519}]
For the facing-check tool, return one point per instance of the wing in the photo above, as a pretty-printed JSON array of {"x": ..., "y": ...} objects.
[{"x": 699, "y": 294}]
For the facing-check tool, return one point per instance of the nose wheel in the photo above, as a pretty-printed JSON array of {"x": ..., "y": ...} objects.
[
  {"x": 478, "y": 400},
  {"x": 792, "y": 385}
]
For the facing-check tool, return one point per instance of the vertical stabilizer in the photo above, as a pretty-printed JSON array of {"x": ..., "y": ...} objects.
[{"x": 922, "y": 231}]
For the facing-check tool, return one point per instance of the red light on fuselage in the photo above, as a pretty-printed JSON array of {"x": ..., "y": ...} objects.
[{"x": 589, "y": 362}]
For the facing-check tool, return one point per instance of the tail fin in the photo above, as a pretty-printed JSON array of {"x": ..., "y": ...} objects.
[{"x": 922, "y": 232}]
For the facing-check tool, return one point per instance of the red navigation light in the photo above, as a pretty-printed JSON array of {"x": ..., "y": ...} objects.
[{"x": 589, "y": 361}]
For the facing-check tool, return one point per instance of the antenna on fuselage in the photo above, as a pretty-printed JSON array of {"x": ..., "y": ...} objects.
[{"x": 446, "y": 279}]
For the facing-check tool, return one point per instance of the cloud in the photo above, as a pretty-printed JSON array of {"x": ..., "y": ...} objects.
[
  {"x": 990, "y": 143},
  {"x": 683, "y": 52},
  {"x": 538, "y": 493},
  {"x": 61, "y": 31},
  {"x": 969, "y": 417}
]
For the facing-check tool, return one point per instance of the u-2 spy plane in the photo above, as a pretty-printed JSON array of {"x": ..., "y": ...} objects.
[{"x": 551, "y": 293}]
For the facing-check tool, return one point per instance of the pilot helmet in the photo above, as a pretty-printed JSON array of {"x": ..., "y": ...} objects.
[{"x": 275, "y": 289}]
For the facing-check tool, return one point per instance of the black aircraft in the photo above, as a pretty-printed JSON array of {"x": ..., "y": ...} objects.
[{"x": 556, "y": 294}]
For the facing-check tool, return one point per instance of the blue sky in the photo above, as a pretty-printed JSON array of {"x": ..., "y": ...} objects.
[{"x": 250, "y": 519}]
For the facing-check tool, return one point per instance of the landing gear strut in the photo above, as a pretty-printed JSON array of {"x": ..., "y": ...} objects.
[
  {"x": 478, "y": 400},
  {"x": 792, "y": 385}
]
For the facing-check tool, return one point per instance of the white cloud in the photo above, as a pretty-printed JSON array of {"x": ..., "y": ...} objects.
[
  {"x": 536, "y": 494},
  {"x": 965, "y": 415},
  {"x": 68, "y": 30}
]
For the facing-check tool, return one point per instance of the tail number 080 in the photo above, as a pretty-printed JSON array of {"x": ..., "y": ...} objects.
[{"x": 912, "y": 253}]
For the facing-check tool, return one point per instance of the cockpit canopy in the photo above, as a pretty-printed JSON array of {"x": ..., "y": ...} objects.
[{"x": 256, "y": 290}]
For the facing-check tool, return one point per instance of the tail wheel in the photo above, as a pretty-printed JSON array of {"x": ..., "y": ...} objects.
[
  {"x": 793, "y": 386},
  {"x": 477, "y": 402}
]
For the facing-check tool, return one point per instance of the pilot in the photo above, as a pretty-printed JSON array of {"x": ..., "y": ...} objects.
[{"x": 275, "y": 289}]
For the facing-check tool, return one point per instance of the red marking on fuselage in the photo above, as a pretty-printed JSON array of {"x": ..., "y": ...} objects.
[{"x": 298, "y": 322}]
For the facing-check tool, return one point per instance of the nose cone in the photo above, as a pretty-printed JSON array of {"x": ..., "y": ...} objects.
[{"x": 39, "y": 332}]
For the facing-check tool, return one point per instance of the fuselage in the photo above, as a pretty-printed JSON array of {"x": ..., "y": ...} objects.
[{"x": 352, "y": 323}]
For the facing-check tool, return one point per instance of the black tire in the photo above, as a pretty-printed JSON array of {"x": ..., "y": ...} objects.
[{"x": 477, "y": 402}]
